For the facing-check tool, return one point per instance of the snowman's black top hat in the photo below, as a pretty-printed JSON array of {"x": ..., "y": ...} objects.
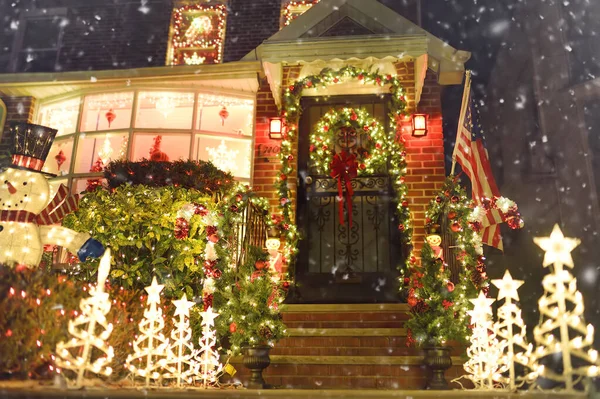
[{"x": 31, "y": 145}]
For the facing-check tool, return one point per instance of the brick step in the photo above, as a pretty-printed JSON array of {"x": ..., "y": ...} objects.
[
  {"x": 337, "y": 351},
  {"x": 345, "y": 313},
  {"x": 382, "y": 372},
  {"x": 345, "y": 324}
]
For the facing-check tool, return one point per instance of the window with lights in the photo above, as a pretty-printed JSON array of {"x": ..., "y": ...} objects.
[
  {"x": 197, "y": 34},
  {"x": 293, "y": 9},
  {"x": 96, "y": 129}
]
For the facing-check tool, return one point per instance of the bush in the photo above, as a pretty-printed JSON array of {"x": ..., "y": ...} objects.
[{"x": 139, "y": 224}]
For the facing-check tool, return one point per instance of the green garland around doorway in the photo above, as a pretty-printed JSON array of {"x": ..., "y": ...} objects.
[{"x": 395, "y": 155}]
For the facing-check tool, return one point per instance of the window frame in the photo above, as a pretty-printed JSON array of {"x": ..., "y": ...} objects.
[
  {"x": 24, "y": 18},
  {"x": 194, "y": 133}
]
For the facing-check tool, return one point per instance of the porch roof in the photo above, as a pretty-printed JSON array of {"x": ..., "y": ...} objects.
[
  {"x": 239, "y": 76},
  {"x": 394, "y": 38}
]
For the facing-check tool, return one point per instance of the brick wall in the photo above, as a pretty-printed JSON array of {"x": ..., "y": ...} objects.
[
  {"x": 425, "y": 155},
  {"x": 249, "y": 23}
]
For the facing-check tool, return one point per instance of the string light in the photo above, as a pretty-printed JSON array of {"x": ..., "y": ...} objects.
[
  {"x": 562, "y": 310},
  {"x": 76, "y": 354},
  {"x": 205, "y": 31}
]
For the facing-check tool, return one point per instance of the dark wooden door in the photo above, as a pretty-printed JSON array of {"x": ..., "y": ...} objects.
[{"x": 336, "y": 262}]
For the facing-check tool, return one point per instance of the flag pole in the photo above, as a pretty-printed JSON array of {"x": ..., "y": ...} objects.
[{"x": 461, "y": 118}]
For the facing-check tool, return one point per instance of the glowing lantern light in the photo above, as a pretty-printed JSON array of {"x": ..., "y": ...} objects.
[{"x": 419, "y": 125}]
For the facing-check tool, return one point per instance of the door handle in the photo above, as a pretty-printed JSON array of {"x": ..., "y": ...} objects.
[{"x": 308, "y": 180}]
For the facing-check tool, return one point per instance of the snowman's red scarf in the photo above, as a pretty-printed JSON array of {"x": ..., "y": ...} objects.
[{"x": 61, "y": 204}]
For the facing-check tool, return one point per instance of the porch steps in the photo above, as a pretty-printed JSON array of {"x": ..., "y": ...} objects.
[{"x": 346, "y": 346}]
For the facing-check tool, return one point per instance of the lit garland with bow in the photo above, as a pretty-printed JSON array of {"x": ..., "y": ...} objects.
[{"x": 291, "y": 113}]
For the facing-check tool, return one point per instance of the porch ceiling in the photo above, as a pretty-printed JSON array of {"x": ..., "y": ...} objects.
[{"x": 238, "y": 76}]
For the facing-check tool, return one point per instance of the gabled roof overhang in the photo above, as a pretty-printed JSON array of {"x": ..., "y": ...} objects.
[{"x": 399, "y": 40}]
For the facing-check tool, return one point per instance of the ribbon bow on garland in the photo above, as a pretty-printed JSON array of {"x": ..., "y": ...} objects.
[{"x": 344, "y": 168}]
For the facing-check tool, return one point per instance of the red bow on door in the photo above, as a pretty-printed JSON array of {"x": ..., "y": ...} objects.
[{"x": 344, "y": 168}]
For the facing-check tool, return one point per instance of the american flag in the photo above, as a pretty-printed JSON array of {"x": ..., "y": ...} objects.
[{"x": 471, "y": 155}]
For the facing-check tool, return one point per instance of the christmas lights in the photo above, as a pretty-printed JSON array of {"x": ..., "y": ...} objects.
[
  {"x": 151, "y": 346},
  {"x": 208, "y": 367},
  {"x": 76, "y": 354},
  {"x": 180, "y": 365},
  {"x": 291, "y": 113},
  {"x": 296, "y": 8},
  {"x": 562, "y": 330},
  {"x": 485, "y": 351},
  {"x": 197, "y": 34},
  {"x": 511, "y": 333}
]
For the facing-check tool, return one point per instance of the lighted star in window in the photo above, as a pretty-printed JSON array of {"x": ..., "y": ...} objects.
[{"x": 223, "y": 158}]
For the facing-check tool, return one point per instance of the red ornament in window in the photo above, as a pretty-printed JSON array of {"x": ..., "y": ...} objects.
[
  {"x": 223, "y": 113},
  {"x": 155, "y": 153},
  {"x": 110, "y": 116},
  {"x": 60, "y": 158}
]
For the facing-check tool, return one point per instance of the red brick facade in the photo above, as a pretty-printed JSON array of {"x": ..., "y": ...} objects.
[{"x": 425, "y": 155}]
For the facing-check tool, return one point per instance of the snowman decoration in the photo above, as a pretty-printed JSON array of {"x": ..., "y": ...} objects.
[{"x": 28, "y": 216}]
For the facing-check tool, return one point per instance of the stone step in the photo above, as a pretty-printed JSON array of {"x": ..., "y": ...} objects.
[
  {"x": 346, "y": 332},
  {"x": 345, "y": 324}
]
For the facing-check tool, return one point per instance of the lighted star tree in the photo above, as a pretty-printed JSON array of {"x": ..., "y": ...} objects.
[
  {"x": 484, "y": 353},
  {"x": 562, "y": 330},
  {"x": 180, "y": 364},
  {"x": 89, "y": 330},
  {"x": 151, "y": 346},
  {"x": 511, "y": 333},
  {"x": 208, "y": 366}
]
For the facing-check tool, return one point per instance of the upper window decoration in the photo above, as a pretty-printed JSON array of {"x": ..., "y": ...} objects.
[
  {"x": 197, "y": 34},
  {"x": 294, "y": 9}
]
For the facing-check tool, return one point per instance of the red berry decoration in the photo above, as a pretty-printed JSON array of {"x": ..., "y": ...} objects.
[
  {"x": 291, "y": 88},
  {"x": 309, "y": 84},
  {"x": 326, "y": 128},
  {"x": 213, "y": 238},
  {"x": 405, "y": 203},
  {"x": 335, "y": 80},
  {"x": 438, "y": 199},
  {"x": 401, "y": 227},
  {"x": 456, "y": 227},
  {"x": 406, "y": 281},
  {"x": 362, "y": 166},
  {"x": 283, "y": 201},
  {"x": 260, "y": 264},
  {"x": 451, "y": 215},
  {"x": 450, "y": 286},
  {"x": 290, "y": 157},
  {"x": 232, "y": 327},
  {"x": 217, "y": 273},
  {"x": 361, "y": 77},
  {"x": 239, "y": 197},
  {"x": 283, "y": 177},
  {"x": 354, "y": 116},
  {"x": 366, "y": 128},
  {"x": 454, "y": 199},
  {"x": 312, "y": 148}
]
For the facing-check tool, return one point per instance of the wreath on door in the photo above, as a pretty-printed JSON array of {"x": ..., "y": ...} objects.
[{"x": 380, "y": 150}]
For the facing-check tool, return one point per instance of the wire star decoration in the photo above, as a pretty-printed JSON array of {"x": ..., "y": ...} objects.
[{"x": 558, "y": 247}]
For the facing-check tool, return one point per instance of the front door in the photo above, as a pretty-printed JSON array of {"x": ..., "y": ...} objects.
[{"x": 338, "y": 262}]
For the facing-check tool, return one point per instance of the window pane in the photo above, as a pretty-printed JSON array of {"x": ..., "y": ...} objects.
[
  {"x": 107, "y": 111},
  {"x": 198, "y": 33},
  {"x": 36, "y": 61},
  {"x": 60, "y": 157},
  {"x": 168, "y": 147},
  {"x": 104, "y": 147},
  {"x": 230, "y": 155},
  {"x": 222, "y": 114},
  {"x": 81, "y": 186},
  {"x": 41, "y": 33},
  {"x": 165, "y": 110},
  {"x": 61, "y": 116}
]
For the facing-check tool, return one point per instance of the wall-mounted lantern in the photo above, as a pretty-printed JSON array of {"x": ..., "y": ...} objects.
[
  {"x": 419, "y": 125},
  {"x": 275, "y": 128}
]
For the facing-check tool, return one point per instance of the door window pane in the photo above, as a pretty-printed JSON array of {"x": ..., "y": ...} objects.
[
  {"x": 230, "y": 155},
  {"x": 223, "y": 114},
  {"x": 60, "y": 157},
  {"x": 61, "y": 116},
  {"x": 158, "y": 147},
  {"x": 165, "y": 110},
  {"x": 107, "y": 111},
  {"x": 96, "y": 151}
]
